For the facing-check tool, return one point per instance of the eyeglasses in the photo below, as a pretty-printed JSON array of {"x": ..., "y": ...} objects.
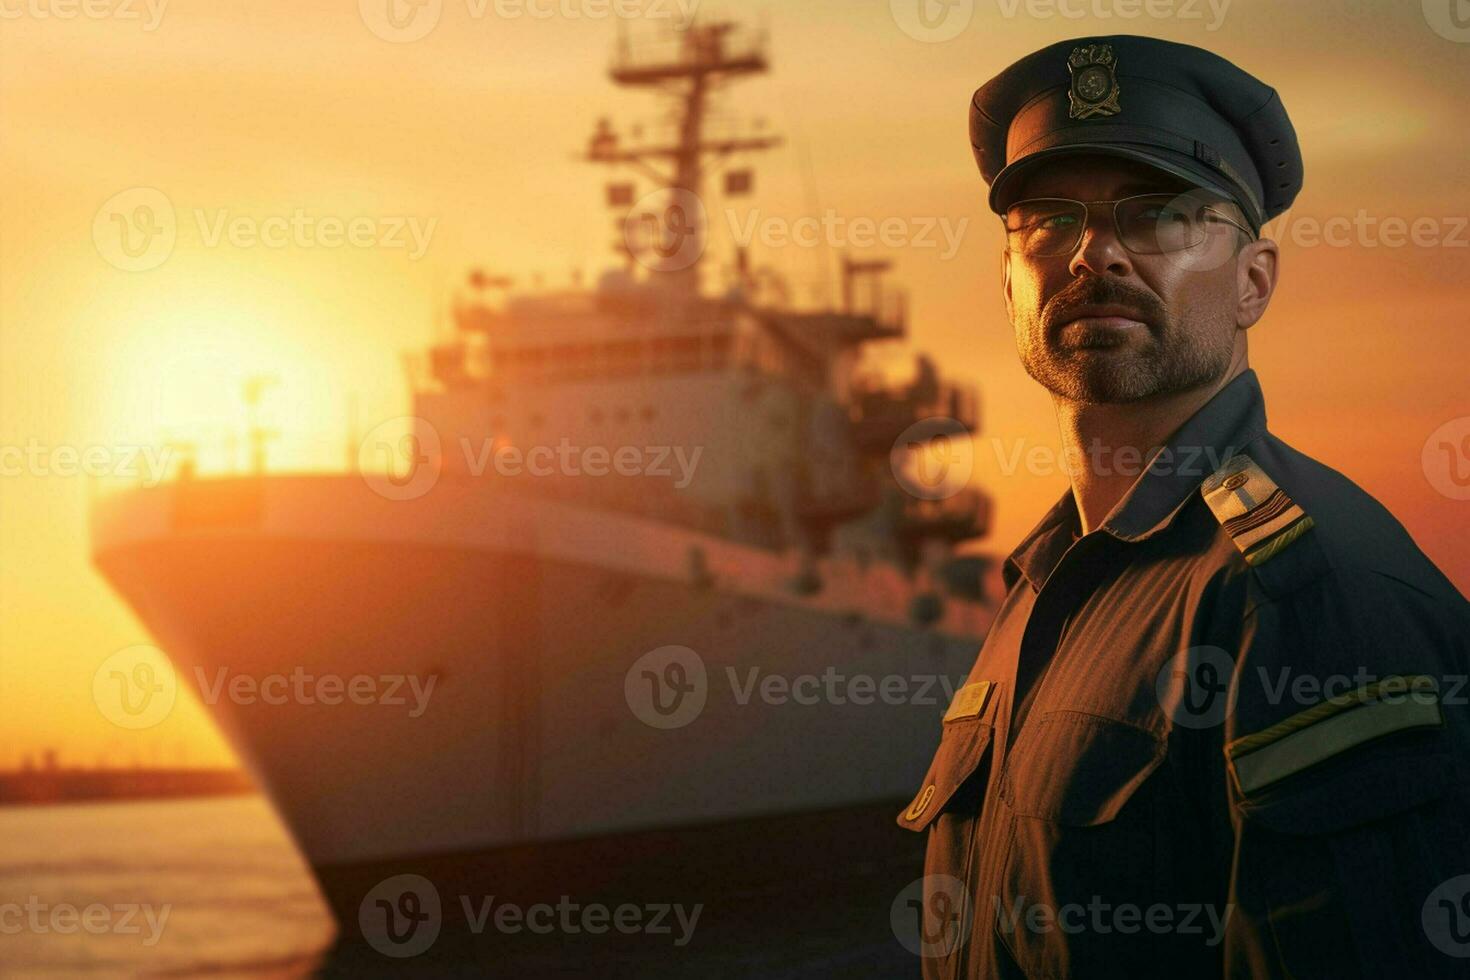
[{"x": 1148, "y": 224}]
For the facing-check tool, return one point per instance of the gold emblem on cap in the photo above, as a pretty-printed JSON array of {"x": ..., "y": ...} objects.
[{"x": 1094, "y": 90}]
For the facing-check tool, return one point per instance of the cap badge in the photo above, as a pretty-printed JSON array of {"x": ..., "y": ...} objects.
[{"x": 1094, "y": 89}]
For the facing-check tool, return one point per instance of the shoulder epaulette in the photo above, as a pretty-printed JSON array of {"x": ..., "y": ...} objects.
[{"x": 1257, "y": 514}]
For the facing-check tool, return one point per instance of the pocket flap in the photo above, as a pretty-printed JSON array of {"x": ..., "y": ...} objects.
[
  {"x": 961, "y": 750},
  {"x": 1078, "y": 769}
]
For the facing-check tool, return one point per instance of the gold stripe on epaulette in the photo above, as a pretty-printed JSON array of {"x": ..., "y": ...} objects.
[
  {"x": 1333, "y": 726},
  {"x": 1257, "y": 514}
]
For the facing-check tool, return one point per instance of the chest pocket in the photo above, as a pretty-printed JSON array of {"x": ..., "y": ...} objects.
[
  {"x": 963, "y": 745},
  {"x": 1077, "y": 769},
  {"x": 1084, "y": 829}
]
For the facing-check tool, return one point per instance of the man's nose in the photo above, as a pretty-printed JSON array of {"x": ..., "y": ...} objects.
[{"x": 1099, "y": 250}]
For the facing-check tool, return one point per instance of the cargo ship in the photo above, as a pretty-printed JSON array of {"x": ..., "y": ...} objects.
[{"x": 776, "y": 518}]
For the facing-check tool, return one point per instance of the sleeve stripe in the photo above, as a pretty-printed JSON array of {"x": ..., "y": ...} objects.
[{"x": 1335, "y": 725}]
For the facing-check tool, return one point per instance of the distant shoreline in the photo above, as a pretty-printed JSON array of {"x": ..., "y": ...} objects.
[{"x": 31, "y": 787}]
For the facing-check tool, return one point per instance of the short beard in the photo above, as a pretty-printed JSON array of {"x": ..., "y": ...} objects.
[{"x": 1174, "y": 359}]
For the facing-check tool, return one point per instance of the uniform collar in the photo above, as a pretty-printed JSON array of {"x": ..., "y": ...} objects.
[{"x": 1222, "y": 427}]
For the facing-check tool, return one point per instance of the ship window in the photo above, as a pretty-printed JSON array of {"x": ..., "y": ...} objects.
[
  {"x": 719, "y": 353},
  {"x": 686, "y": 353},
  {"x": 648, "y": 414},
  {"x": 596, "y": 415},
  {"x": 537, "y": 419},
  {"x": 621, "y": 415},
  {"x": 623, "y": 358}
]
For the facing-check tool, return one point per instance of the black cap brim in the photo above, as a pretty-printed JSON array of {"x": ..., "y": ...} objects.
[{"x": 1175, "y": 164}]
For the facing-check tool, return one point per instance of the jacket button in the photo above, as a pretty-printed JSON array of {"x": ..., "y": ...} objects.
[{"x": 922, "y": 803}]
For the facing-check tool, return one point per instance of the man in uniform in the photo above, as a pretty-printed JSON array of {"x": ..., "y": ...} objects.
[{"x": 1218, "y": 728}]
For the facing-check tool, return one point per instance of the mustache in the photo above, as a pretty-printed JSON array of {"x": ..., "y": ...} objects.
[{"x": 1102, "y": 291}]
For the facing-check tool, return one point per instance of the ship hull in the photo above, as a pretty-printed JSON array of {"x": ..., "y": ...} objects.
[{"x": 506, "y": 630}]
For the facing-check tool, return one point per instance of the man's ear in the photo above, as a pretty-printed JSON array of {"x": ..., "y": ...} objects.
[
  {"x": 1256, "y": 270},
  {"x": 1005, "y": 278}
]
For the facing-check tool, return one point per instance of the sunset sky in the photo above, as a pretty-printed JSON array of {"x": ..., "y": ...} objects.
[{"x": 470, "y": 134}]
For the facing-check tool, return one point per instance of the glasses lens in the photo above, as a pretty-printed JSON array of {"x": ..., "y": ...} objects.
[
  {"x": 1161, "y": 223},
  {"x": 1044, "y": 226}
]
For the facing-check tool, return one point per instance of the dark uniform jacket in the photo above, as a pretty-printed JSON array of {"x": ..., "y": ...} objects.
[{"x": 1222, "y": 735}]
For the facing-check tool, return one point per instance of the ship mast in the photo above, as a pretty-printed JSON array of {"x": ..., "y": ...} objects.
[{"x": 707, "y": 56}]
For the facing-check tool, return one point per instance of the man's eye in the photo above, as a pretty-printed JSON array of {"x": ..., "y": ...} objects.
[
  {"x": 1163, "y": 215},
  {"x": 1055, "y": 222}
]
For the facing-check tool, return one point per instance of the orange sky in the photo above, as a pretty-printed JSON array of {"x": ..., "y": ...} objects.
[{"x": 260, "y": 108}]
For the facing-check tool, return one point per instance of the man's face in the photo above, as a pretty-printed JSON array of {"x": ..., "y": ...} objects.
[{"x": 1103, "y": 324}]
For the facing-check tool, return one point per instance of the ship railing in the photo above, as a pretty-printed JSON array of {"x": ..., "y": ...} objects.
[{"x": 887, "y": 308}]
